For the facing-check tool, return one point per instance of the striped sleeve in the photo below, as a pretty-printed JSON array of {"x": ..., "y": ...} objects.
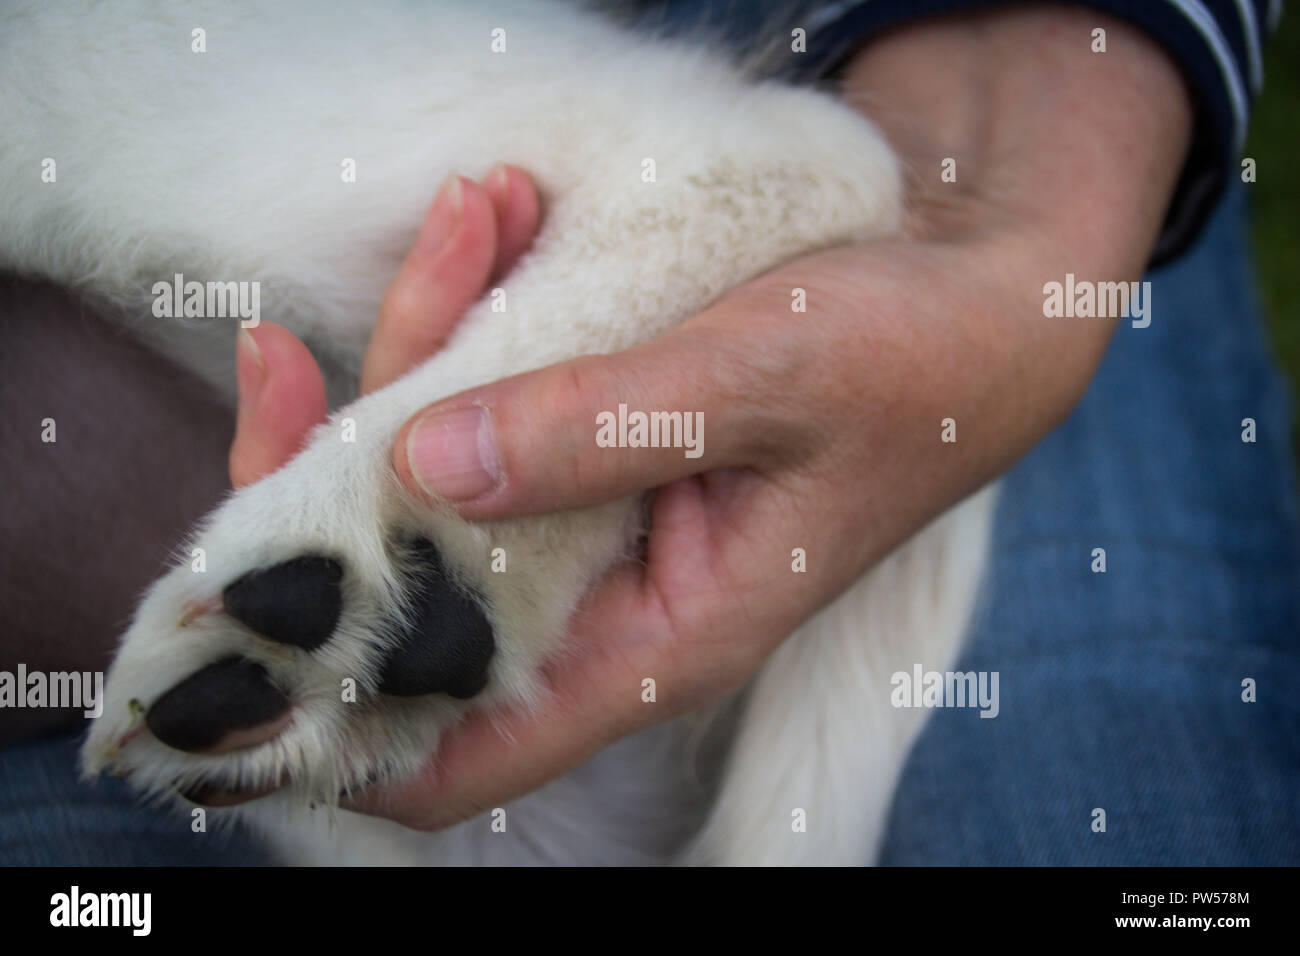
[{"x": 1217, "y": 43}]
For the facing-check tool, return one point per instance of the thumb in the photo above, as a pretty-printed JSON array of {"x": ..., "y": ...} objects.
[{"x": 585, "y": 431}]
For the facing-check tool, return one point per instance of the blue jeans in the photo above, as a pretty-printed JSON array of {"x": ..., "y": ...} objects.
[{"x": 1120, "y": 691}]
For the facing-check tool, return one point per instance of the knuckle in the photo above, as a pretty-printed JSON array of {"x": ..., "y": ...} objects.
[
  {"x": 402, "y": 305},
  {"x": 585, "y": 389}
]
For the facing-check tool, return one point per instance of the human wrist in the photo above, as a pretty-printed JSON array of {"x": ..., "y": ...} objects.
[{"x": 1046, "y": 137}]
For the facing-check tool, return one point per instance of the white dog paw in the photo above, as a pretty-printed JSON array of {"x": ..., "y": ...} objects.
[{"x": 325, "y": 629}]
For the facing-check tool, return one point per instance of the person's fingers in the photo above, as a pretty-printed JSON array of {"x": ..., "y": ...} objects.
[
  {"x": 599, "y": 427},
  {"x": 281, "y": 398},
  {"x": 282, "y": 394},
  {"x": 442, "y": 275},
  {"x": 518, "y": 209}
]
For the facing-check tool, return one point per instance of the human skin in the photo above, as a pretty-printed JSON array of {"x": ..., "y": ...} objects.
[{"x": 823, "y": 434}]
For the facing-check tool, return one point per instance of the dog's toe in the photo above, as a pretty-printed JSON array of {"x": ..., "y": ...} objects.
[
  {"x": 438, "y": 641},
  {"x": 444, "y": 644},
  {"x": 295, "y": 602},
  {"x": 447, "y": 641},
  {"x": 229, "y": 705}
]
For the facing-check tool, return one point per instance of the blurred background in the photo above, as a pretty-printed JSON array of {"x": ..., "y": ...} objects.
[{"x": 1274, "y": 143}]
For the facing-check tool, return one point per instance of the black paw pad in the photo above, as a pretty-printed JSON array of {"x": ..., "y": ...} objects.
[
  {"x": 232, "y": 694},
  {"x": 295, "y": 602},
  {"x": 449, "y": 643}
]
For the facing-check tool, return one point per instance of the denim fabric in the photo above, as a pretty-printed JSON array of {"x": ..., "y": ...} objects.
[
  {"x": 49, "y": 817},
  {"x": 1123, "y": 690}
]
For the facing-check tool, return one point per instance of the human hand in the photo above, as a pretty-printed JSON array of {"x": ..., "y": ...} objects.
[
  {"x": 471, "y": 235},
  {"x": 823, "y": 429}
]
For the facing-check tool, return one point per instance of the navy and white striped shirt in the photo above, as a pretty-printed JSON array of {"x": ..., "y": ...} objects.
[{"x": 1216, "y": 42}]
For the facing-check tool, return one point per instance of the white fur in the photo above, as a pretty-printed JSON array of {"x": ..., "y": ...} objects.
[{"x": 226, "y": 166}]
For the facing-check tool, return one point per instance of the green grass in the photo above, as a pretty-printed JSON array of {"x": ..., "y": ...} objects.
[{"x": 1274, "y": 143}]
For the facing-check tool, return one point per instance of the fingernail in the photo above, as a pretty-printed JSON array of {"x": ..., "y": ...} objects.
[
  {"x": 453, "y": 455},
  {"x": 498, "y": 182},
  {"x": 444, "y": 216},
  {"x": 249, "y": 369}
]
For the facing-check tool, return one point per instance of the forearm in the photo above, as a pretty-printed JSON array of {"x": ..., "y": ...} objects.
[{"x": 1050, "y": 136}]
